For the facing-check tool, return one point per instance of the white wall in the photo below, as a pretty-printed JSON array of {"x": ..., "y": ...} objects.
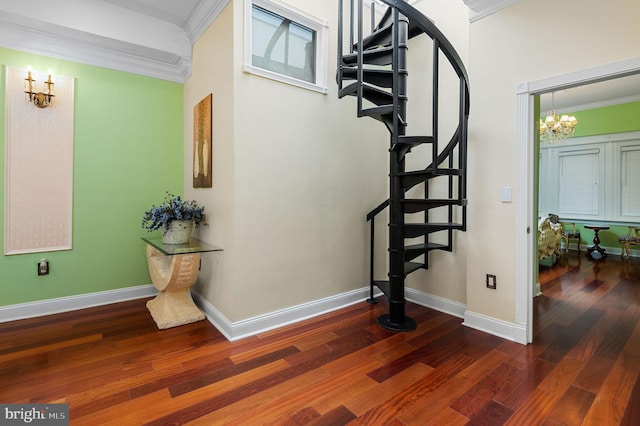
[{"x": 528, "y": 41}]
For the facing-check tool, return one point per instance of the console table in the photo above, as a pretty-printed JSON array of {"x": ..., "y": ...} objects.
[
  {"x": 174, "y": 269},
  {"x": 596, "y": 252}
]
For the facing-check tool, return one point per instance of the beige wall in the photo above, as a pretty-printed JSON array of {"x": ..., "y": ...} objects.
[
  {"x": 528, "y": 41},
  {"x": 446, "y": 276},
  {"x": 295, "y": 173},
  {"x": 213, "y": 72}
]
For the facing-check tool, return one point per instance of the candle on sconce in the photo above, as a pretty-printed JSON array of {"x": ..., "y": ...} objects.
[
  {"x": 29, "y": 81},
  {"x": 49, "y": 82}
]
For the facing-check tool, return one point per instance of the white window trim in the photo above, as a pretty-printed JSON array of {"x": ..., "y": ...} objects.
[
  {"x": 322, "y": 36},
  {"x": 610, "y": 194}
]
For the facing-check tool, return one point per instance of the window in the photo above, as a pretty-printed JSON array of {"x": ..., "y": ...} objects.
[
  {"x": 592, "y": 178},
  {"x": 285, "y": 45},
  {"x": 578, "y": 178}
]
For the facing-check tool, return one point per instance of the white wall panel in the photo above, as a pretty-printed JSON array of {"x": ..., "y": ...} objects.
[{"x": 38, "y": 166}]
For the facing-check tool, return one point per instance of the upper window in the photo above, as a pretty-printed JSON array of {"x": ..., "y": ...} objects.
[{"x": 285, "y": 44}]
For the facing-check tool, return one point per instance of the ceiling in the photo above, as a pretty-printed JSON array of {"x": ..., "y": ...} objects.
[
  {"x": 186, "y": 14},
  {"x": 148, "y": 37},
  {"x": 155, "y": 37}
]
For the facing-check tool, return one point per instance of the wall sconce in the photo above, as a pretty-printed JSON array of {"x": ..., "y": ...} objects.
[{"x": 39, "y": 99}]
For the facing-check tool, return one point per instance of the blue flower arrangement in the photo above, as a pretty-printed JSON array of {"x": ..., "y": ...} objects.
[{"x": 172, "y": 208}]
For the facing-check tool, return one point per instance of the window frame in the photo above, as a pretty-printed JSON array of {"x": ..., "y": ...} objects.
[{"x": 320, "y": 27}]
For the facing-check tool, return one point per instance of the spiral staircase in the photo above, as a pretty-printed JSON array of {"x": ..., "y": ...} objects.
[{"x": 372, "y": 67}]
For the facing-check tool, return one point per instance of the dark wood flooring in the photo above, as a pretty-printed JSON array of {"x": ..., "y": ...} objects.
[{"x": 112, "y": 366}]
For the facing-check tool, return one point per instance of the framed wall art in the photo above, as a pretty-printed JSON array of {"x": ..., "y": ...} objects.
[{"x": 202, "y": 143}]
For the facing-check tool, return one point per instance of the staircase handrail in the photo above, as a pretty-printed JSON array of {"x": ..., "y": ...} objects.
[{"x": 429, "y": 28}]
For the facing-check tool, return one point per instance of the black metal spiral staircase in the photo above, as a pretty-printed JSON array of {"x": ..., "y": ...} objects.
[{"x": 374, "y": 70}]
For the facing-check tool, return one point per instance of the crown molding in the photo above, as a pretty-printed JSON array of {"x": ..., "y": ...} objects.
[
  {"x": 202, "y": 16},
  {"x": 18, "y": 32},
  {"x": 479, "y": 9}
]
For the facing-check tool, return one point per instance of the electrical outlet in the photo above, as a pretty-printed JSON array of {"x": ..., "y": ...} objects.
[
  {"x": 43, "y": 267},
  {"x": 491, "y": 281}
]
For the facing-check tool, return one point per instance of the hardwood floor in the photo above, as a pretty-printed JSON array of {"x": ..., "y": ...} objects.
[{"x": 112, "y": 366}]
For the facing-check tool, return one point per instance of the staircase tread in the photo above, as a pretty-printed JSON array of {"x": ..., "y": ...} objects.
[
  {"x": 383, "y": 286},
  {"x": 373, "y": 94},
  {"x": 382, "y": 113},
  {"x": 379, "y": 37},
  {"x": 410, "y": 267},
  {"x": 352, "y": 88},
  {"x": 372, "y": 56},
  {"x": 414, "y": 250},
  {"x": 379, "y": 109},
  {"x": 415, "y": 139},
  {"x": 354, "y": 67},
  {"x": 430, "y": 200},
  {"x": 377, "y": 77},
  {"x": 432, "y": 224},
  {"x": 442, "y": 171},
  {"x": 426, "y": 246}
]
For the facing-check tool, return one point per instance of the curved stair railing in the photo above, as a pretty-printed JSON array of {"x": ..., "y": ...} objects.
[{"x": 374, "y": 70}]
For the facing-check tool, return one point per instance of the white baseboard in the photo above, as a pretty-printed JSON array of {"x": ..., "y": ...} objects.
[
  {"x": 507, "y": 330},
  {"x": 437, "y": 303},
  {"x": 249, "y": 327},
  {"x": 72, "y": 303}
]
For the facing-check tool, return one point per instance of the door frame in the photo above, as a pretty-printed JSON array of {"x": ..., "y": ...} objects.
[{"x": 526, "y": 227}]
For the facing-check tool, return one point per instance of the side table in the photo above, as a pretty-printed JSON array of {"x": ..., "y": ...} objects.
[
  {"x": 174, "y": 269},
  {"x": 595, "y": 252}
]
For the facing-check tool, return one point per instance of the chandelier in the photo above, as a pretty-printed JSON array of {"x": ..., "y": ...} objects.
[{"x": 556, "y": 128}]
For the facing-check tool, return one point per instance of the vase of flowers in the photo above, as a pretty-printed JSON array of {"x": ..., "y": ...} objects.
[{"x": 176, "y": 217}]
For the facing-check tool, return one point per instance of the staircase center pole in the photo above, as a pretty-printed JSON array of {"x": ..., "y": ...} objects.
[{"x": 396, "y": 320}]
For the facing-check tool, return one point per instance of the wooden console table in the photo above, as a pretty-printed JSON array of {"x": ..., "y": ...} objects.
[
  {"x": 174, "y": 269},
  {"x": 596, "y": 252}
]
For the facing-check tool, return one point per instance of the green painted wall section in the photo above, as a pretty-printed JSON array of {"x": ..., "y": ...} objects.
[
  {"x": 128, "y": 150},
  {"x": 610, "y": 119}
]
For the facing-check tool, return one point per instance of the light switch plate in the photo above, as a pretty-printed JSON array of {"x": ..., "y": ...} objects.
[{"x": 505, "y": 194}]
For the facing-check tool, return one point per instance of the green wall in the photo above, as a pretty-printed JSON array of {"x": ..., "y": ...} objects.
[
  {"x": 608, "y": 238},
  {"x": 612, "y": 119},
  {"x": 601, "y": 121},
  {"x": 128, "y": 150}
]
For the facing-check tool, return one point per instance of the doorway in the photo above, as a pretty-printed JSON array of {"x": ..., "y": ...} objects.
[{"x": 525, "y": 258}]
